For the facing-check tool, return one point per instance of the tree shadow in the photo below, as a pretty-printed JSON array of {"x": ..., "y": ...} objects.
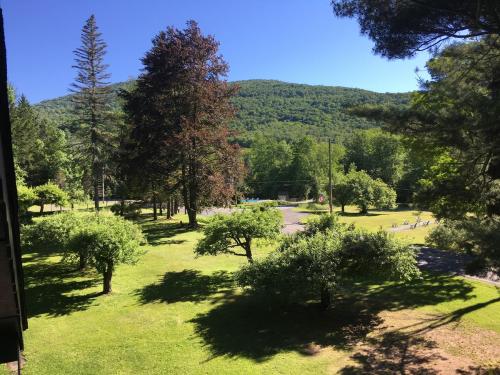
[
  {"x": 157, "y": 232},
  {"x": 248, "y": 325},
  {"x": 245, "y": 326},
  {"x": 187, "y": 286},
  {"x": 480, "y": 370},
  {"x": 430, "y": 289},
  {"x": 395, "y": 353},
  {"x": 54, "y": 288},
  {"x": 408, "y": 351}
]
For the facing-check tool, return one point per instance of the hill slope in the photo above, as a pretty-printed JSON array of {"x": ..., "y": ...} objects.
[{"x": 279, "y": 109}]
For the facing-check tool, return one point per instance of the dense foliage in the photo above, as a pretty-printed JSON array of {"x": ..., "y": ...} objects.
[
  {"x": 314, "y": 264},
  {"x": 358, "y": 188},
  {"x": 297, "y": 169},
  {"x": 50, "y": 193},
  {"x": 240, "y": 229},
  {"x": 402, "y": 28},
  {"x": 108, "y": 241},
  {"x": 102, "y": 241},
  {"x": 280, "y": 110},
  {"x": 179, "y": 111}
]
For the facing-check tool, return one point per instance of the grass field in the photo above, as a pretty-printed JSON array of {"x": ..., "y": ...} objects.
[
  {"x": 173, "y": 313},
  {"x": 376, "y": 219}
]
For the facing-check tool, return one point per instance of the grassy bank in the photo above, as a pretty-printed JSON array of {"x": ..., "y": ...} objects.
[{"x": 173, "y": 313}]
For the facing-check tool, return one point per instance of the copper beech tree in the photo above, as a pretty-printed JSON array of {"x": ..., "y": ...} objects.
[{"x": 180, "y": 110}]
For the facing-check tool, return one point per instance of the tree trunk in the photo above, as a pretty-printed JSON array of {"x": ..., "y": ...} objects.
[
  {"x": 155, "y": 214},
  {"x": 169, "y": 211},
  {"x": 364, "y": 210},
  {"x": 176, "y": 206},
  {"x": 160, "y": 207},
  {"x": 122, "y": 206},
  {"x": 96, "y": 188},
  {"x": 326, "y": 298},
  {"x": 343, "y": 208},
  {"x": 248, "y": 251},
  {"x": 193, "y": 223},
  {"x": 41, "y": 208},
  {"x": 82, "y": 263},
  {"x": 96, "y": 192},
  {"x": 108, "y": 274}
]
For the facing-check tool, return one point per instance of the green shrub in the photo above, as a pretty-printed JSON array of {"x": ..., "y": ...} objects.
[
  {"x": 305, "y": 267},
  {"x": 127, "y": 209},
  {"x": 483, "y": 239},
  {"x": 53, "y": 231},
  {"x": 324, "y": 223},
  {"x": 377, "y": 254},
  {"x": 314, "y": 265},
  {"x": 26, "y": 197},
  {"x": 224, "y": 233},
  {"x": 108, "y": 241},
  {"x": 449, "y": 235}
]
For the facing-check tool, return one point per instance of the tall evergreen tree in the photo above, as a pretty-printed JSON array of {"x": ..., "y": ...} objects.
[
  {"x": 90, "y": 100},
  {"x": 181, "y": 109}
]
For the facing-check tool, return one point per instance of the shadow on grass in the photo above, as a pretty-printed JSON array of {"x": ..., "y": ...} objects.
[
  {"x": 157, "y": 233},
  {"x": 245, "y": 326},
  {"x": 249, "y": 326},
  {"x": 395, "y": 353},
  {"x": 187, "y": 286},
  {"x": 54, "y": 288}
]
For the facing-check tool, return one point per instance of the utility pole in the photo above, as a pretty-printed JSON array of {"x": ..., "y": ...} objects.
[{"x": 330, "y": 191}]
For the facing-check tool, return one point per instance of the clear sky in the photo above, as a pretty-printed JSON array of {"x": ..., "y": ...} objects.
[{"x": 290, "y": 40}]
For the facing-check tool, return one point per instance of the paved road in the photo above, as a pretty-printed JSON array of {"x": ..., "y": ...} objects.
[
  {"x": 291, "y": 219},
  {"x": 450, "y": 262}
]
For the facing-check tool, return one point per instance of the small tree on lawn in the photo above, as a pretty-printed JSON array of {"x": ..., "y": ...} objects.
[
  {"x": 50, "y": 193},
  {"x": 224, "y": 233},
  {"x": 363, "y": 190},
  {"x": 109, "y": 241},
  {"x": 384, "y": 197},
  {"x": 343, "y": 193}
]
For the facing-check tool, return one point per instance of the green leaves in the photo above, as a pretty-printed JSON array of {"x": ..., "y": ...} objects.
[
  {"x": 224, "y": 233},
  {"x": 50, "y": 193},
  {"x": 99, "y": 240},
  {"x": 308, "y": 264}
]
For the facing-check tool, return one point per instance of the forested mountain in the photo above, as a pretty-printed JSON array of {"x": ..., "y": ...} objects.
[{"x": 281, "y": 110}]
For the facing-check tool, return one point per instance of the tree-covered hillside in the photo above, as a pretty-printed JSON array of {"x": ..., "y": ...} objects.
[{"x": 279, "y": 109}]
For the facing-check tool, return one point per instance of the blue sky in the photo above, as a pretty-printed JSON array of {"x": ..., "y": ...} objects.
[{"x": 290, "y": 40}]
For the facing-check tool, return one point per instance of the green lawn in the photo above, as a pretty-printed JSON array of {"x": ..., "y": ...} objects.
[
  {"x": 173, "y": 313},
  {"x": 376, "y": 219}
]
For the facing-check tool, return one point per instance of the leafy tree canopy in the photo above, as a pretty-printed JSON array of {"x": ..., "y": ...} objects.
[
  {"x": 224, "y": 233},
  {"x": 402, "y": 28}
]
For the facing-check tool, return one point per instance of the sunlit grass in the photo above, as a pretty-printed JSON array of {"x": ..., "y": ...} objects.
[{"x": 174, "y": 313}]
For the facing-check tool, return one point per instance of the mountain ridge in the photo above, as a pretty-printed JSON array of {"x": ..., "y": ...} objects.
[{"x": 282, "y": 110}]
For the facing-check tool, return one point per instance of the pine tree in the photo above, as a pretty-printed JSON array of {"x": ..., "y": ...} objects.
[
  {"x": 180, "y": 109},
  {"x": 91, "y": 95}
]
